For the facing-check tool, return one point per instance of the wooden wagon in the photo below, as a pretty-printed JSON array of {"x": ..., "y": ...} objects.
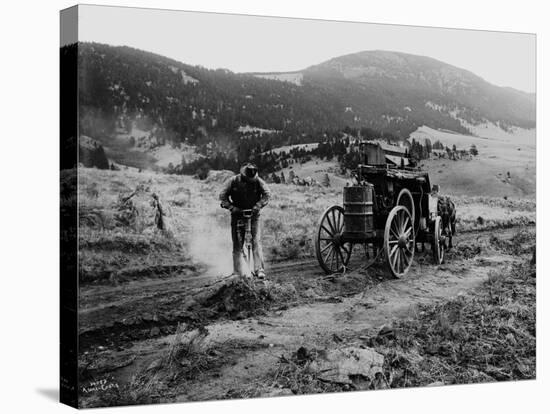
[{"x": 387, "y": 212}]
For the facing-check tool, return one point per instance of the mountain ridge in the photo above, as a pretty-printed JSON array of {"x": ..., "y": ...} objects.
[{"x": 393, "y": 92}]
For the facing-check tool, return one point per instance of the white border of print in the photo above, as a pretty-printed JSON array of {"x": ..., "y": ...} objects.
[{"x": 29, "y": 208}]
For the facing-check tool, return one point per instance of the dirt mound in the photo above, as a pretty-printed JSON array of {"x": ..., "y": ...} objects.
[
  {"x": 243, "y": 298},
  {"x": 337, "y": 286}
]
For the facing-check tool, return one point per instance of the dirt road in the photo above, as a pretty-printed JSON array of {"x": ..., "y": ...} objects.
[{"x": 126, "y": 328}]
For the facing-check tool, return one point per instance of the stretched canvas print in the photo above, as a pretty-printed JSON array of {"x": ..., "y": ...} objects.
[{"x": 257, "y": 207}]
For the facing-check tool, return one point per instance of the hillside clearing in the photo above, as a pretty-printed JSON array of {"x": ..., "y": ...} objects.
[
  {"x": 200, "y": 228},
  {"x": 505, "y": 166}
]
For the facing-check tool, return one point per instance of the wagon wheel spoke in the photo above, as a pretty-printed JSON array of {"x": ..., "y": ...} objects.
[
  {"x": 394, "y": 258},
  {"x": 404, "y": 224},
  {"x": 335, "y": 222},
  {"x": 394, "y": 234},
  {"x": 329, "y": 224},
  {"x": 399, "y": 240},
  {"x": 330, "y": 233},
  {"x": 395, "y": 229},
  {"x": 326, "y": 247},
  {"x": 334, "y": 258},
  {"x": 438, "y": 246},
  {"x": 401, "y": 261},
  {"x": 332, "y": 254},
  {"x": 329, "y": 254},
  {"x": 393, "y": 254},
  {"x": 407, "y": 221},
  {"x": 397, "y": 224},
  {"x": 332, "y": 230}
]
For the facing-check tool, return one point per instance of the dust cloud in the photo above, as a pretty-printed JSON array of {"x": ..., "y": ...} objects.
[{"x": 210, "y": 243}]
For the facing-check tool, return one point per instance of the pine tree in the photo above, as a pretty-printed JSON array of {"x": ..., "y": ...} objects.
[{"x": 428, "y": 146}]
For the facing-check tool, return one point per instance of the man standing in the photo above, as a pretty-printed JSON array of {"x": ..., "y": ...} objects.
[{"x": 246, "y": 191}]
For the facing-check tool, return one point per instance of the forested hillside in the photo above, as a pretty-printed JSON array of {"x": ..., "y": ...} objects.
[
  {"x": 190, "y": 102},
  {"x": 398, "y": 92},
  {"x": 228, "y": 117},
  {"x": 387, "y": 91}
]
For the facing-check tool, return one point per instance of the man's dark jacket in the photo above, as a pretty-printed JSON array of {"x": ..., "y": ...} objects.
[{"x": 245, "y": 193}]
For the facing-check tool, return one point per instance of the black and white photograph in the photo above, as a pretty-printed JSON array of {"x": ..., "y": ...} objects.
[{"x": 258, "y": 207}]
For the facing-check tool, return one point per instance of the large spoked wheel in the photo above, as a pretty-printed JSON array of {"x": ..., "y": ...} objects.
[
  {"x": 332, "y": 253},
  {"x": 405, "y": 199},
  {"x": 399, "y": 241},
  {"x": 438, "y": 244}
]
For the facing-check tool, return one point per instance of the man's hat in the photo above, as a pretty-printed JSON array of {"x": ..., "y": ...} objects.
[{"x": 250, "y": 170}]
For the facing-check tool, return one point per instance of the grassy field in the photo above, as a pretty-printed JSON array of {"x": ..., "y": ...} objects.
[
  {"x": 483, "y": 336},
  {"x": 157, "y": 318},
  {"x": 505, "y": 166},
  {"x": 198, "y": 229},
  {"x": 316, "y": 169},
  {"x": 447, "y": 343}
]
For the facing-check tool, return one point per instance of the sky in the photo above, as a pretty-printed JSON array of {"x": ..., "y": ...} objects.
[{"x": 269, "y": 44}]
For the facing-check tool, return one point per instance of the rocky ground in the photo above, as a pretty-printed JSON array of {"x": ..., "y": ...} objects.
[{"x": 181, "y": 332}]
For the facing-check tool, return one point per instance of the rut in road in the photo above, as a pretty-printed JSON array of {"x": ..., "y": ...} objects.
[
  {"x": 111, "y": 314},
  {"x": 256, "y": 343},
  {"x": 140, "y": 310}
]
